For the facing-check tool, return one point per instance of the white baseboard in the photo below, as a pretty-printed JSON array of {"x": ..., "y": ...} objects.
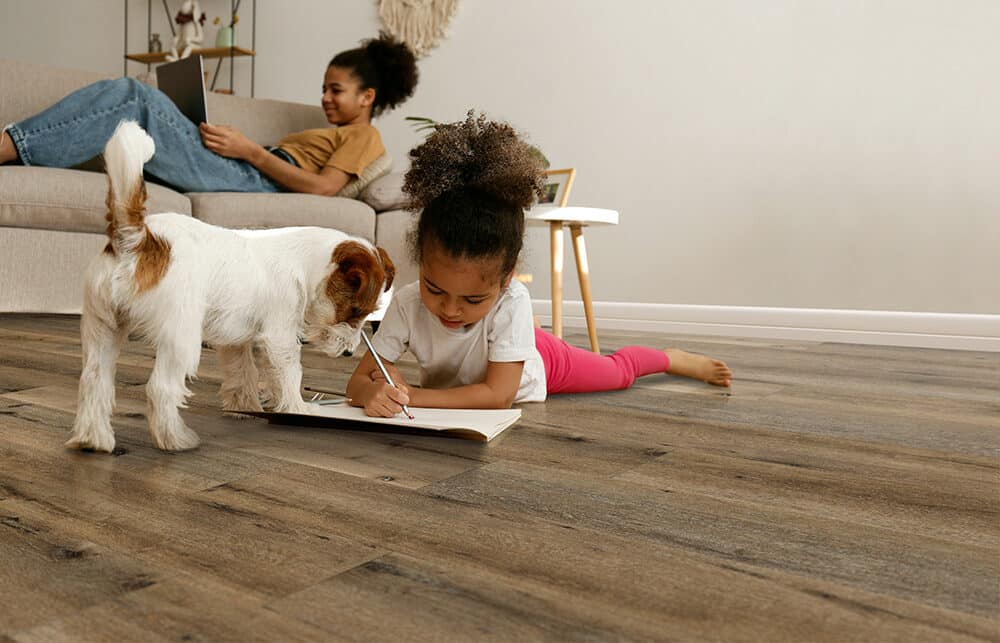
[{"x": 926, "y": 330}]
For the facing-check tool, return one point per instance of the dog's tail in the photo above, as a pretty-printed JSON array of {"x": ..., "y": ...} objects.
[{"x": 125, "y": 154}]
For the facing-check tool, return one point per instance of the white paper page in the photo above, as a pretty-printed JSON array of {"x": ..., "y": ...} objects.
[{"x": 487, "y": 422}]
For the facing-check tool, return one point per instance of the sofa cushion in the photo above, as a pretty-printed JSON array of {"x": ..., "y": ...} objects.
[
  {"x": 393, "y": 232},
  {"x": 385, "y": 193},
  {"x": 242, "y": 210},
  {"x": 68, "y": 200},
  {"x": 379, "y": 167}
]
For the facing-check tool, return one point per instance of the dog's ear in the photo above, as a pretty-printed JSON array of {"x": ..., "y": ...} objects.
[
  {"x": 388, "y": 266},
  {"x": 354, "y": 263}
]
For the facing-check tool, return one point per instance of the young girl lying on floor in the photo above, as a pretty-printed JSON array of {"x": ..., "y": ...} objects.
[{"x": 466, "y": 321}]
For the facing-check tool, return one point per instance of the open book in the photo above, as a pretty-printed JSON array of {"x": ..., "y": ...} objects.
[{"x": 483, "y": 425}]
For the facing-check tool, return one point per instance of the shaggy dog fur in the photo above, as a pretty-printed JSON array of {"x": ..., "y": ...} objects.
[{"x": 178, "y": 281}]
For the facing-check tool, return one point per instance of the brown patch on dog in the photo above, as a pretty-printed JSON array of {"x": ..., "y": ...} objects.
[
  {"x": 130, "y": 214},
  {"x": 152, "y": 261},
  {"x": 135, "y": 207},
  {"x": 109, "y": 201},
  {"x": 355, "y": 285}
]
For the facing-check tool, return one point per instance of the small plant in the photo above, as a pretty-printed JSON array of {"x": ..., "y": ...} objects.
[
  {"x": 422, "y": 123},
  {"x": 218, "y": 20}
]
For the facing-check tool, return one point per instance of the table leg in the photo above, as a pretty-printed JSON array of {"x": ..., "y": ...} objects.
[
  {"x": 556, "y": 239},
  {"x": 583, "y": 272}
]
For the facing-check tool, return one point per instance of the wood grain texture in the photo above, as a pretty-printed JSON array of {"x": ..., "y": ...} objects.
[{"x": 838, "y": 492}]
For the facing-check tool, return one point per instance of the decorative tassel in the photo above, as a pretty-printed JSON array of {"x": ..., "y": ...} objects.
[{"x": 421, "y": 24}]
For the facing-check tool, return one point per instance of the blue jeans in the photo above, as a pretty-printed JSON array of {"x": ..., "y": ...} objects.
[{"x": 76, "y": 129}]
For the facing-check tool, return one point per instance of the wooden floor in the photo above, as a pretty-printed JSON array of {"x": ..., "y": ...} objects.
[{"x": 840, "y": 492}]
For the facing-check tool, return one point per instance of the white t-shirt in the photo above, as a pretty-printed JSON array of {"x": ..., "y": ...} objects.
[{"x": 457, "y": 357}]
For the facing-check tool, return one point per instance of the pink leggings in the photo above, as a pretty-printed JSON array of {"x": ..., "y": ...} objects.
[{"x": 569, "y": 369}]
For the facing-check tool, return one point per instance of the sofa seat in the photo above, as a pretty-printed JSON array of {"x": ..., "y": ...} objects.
[{"x": 67, "y": 200}]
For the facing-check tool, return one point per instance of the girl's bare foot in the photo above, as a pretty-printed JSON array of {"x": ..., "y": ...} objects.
[
  {"x": 698, "y": 367},
  {"x": 7, "y": 150}
]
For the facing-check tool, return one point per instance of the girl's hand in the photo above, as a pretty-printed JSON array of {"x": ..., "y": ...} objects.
[
  {"x": 227, "y": 141},
  {"x": 397, "y": 377},
  {"x": 387, "y": 400}
]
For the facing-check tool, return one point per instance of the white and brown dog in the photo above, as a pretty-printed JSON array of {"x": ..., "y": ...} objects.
[{"x": 178, "y": 281}]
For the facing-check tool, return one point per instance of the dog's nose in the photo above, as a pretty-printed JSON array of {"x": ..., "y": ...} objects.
[{"x": 348, "y": 353}]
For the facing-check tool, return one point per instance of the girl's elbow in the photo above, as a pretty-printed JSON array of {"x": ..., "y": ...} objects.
[
  {"x": 330, "y": 189},
  {"x": 505, "y": 402},
  {"x": 323, "y": 188}
]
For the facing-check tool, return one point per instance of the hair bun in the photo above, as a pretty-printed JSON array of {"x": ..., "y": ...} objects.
[
  {"x": 396, "y": 66},
  {"x": 474, "y": 154}
]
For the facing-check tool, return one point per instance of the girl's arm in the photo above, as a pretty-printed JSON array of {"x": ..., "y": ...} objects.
[
  {"x": 377, "y": 396},
  {"x": 230, "y": 142},
  {"x": 327, "y": 183},
  {"x": 497, "y": 392},
  {"x": 368, "y": 389}
]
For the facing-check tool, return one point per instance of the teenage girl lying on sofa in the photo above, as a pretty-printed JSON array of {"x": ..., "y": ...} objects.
[{"x": 359, "y": 85}]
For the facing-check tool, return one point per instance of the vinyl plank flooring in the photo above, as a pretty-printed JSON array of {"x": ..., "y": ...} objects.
[
  {"x": 47, "y": 575},
  {"x": 175, "y": 609},
  {"x": 660, "y": 589},
  {"x": 831, "y": 547},
  {"x": 259, "y": 554},
  {"x": 837, "y": 492}
]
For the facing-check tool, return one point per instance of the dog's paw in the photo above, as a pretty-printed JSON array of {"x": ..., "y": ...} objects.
[
  {"x": 182, "y": 442},
  {"x": 296, "y": 406},
  {"x": 174, "y": 436},
  {"x": 241, "y": 403},
  {"x": 88, "y": 439}
]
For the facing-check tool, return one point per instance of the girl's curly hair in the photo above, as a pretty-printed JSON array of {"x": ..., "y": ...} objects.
[
  {"x": 385, "y": 64},
  {"x": 472, "y": 180}
]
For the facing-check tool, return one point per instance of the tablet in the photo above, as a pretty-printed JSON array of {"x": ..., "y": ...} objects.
[{"x": 184, "y": 82}]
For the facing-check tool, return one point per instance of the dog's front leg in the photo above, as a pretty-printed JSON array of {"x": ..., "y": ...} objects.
[
  {"x": 177, "y": 355},
  {"x": 101, "y": 345},
  {"x": 239, "y": 390},
  {"x": 285, "y": 374}
]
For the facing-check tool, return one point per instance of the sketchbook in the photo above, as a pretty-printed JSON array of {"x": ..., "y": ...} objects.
[{"x": 482, "y": 425}]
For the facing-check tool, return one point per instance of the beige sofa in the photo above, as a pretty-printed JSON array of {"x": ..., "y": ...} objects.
[{"x": 52, "y": 220}]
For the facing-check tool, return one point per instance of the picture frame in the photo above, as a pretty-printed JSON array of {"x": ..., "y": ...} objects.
[{"x": 558, "y": 184}]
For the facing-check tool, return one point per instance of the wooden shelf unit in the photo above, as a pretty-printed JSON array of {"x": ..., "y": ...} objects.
[
  {"x": 218, "y": 53},
  {"x": 208, "y": 52}
]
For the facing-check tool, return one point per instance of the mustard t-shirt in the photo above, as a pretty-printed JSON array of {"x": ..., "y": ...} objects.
[{"x": 349, "y": 148}]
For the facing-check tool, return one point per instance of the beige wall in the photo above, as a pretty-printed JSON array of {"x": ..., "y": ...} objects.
[{"x": 825, "y": 154}]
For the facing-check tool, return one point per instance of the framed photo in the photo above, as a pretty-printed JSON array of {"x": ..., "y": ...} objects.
[{"x": 557, "y": 186}]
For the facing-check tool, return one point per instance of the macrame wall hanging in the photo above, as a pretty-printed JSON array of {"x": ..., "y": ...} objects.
[{"x": 421, "y": 24}]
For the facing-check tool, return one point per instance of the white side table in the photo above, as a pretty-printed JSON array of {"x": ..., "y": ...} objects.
[{"x": 576, "y": 218}]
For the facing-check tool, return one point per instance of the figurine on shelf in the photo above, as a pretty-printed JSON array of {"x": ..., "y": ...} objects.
[{"x": 190, "y": 22}]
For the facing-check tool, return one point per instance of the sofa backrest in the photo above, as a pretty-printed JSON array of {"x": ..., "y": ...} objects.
[
  {"x": 28, "y": 88},
  {"x": 264, "y": 121},
  {"x": 39, "y": 86}
]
